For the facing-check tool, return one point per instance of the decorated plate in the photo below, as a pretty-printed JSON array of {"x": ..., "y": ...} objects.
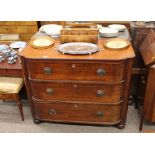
[
  {"x": 42, "y": 42},
  {"x": 116, "y": 44},
  {"x": 78, "y": 48},
  {"x": 119, "y": 27},
  {"x": 51, "y": 29},
  {"x": 18, "y": 44},
  {"x": 4, "y": 47}
]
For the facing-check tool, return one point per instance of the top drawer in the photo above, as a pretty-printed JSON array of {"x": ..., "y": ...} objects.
[{"x": 72, "y": 70}]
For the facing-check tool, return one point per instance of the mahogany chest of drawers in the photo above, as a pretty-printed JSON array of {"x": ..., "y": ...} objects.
[{"x": 89, "y": 89}]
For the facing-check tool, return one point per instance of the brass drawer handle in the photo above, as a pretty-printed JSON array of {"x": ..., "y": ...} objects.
[
  {"x": 47, "y": 70},
  {"x": 49, "y": 91},
  {"x": 101, "y": 72},
  {"x": 100, "y": 113},
  {"x": 52, "y": 111},
  {"x": 100, "y": 93}
]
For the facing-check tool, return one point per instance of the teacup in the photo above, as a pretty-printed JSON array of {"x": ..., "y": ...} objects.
[
  {"x": 11, "y": 60},
  {"x": 13, "y": 53},
  {"x": 2, "y": 58},
  {"x": 7, "y": 53}
]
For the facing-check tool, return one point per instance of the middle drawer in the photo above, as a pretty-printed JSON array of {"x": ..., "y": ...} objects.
[{"x": 77, "y": 91}]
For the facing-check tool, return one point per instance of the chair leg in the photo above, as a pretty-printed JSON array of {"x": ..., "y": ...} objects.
[
  {"x": 141, "y": 123},
  {"x": 19, "y": 104},
  {"x": 21, "y": 110},
  {"x": 142, "y": 120}
]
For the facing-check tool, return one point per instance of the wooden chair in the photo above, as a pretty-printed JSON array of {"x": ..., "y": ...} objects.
[{"x": 9, "y": 90}]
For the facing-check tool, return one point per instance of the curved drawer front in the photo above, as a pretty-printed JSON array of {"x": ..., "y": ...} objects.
[
  {"x": 47, "y": 70},
  {"x": 77, "y": 92},
  {"x": 86, "y": 113}
]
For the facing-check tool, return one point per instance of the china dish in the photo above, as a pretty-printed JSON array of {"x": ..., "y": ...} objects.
[
  {"x": 78, "y": 48},
  {"x": 42, "y": 42},
  {"x": 108, "y": 32},
  {"x": 8, "y": 53},
  {"x": 119, "y": 27},
  {"x": 140, "y": 23},
  {"x": 99, "y": 27},
  {"x": 18, "y": 44},
  {"x": 53, "y": 30},
  {"x": 116, "y": 44},
  {"x": 4, "y": 47}
]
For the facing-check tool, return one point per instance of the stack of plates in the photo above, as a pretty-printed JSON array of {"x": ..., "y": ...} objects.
[
  {"x": 118, "y": 27},
  {"x": 53, "y": 30},
  {"x": 108, "y": 32}
]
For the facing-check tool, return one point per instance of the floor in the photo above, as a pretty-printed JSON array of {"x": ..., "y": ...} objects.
[{"x": 10, "y": 121}]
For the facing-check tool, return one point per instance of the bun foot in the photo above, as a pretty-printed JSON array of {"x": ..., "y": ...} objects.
[
  {"x": 37, "y": 121},
  {"x": 120, "y": 126}
]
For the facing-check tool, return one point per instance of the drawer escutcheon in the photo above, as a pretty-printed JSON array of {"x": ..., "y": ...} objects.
[
  {"x": 73, "y": 65},
  {"x": 100, "y": 93}
]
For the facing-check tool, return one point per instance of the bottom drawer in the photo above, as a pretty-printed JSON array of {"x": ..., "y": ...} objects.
[{"x": 78, "y": 112}]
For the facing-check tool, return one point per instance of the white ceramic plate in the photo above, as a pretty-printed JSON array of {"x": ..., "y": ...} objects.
[
  {"x": 116, "y": 44},
  {"x": 51, "y": 29},
  {"x": 99, "y": 27},
  {"x": 4, "y": 47},
  {"x": 42, "y": 42},
  {"x": 78, "y": 48},
  {"x": 18, "y": 44},
  {"x": 119, "y": 27},
  {"x": 108, "y": 32}
]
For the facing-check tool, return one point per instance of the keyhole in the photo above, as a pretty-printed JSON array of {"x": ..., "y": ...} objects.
[
  {"x": 73, "y": 65},
  {"x": 75, "y": 105},
  {"x": 74, "y": 85}
]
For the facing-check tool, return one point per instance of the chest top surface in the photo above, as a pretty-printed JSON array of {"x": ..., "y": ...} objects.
[{"x": 53, "y": 53}]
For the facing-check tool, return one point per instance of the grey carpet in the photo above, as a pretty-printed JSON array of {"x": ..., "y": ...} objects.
[{"x": 10, "y": 121}]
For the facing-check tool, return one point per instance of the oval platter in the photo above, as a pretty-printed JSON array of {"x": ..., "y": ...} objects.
[{"x": 78, "y": 48}]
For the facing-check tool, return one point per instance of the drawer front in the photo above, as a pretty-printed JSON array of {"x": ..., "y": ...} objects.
[
  {"x": 77, "y": 92},
  {"x": 69, "y": 112},
  {"x": 11, "y": 72},
  {"x": 76, "y": 71}
]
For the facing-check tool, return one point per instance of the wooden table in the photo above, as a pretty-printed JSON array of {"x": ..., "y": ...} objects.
[{"x": 11, "y": 70}]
